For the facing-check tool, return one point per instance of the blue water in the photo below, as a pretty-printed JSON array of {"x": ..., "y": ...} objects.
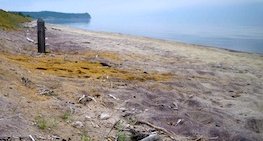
[
  {"x": 245, "y": 38},
  {"x": 234, "y": 27}
]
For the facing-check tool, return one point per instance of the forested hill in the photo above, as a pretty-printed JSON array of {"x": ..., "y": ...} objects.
[{"x": 57, "y": 17}]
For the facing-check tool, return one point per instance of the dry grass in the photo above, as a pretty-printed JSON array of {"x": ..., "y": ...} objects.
[{"x": 82, "y": 69}]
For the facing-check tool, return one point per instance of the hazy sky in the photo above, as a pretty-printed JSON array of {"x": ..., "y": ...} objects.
[
  {"x": 197, "y": 11},
  {"x": 161, "y": 18},
  {"x": 97, "y": 7}
]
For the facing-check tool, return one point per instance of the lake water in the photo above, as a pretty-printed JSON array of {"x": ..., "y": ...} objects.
[
  {"x": 239, "y": 38},
  {"x": 234, "y": 27}
]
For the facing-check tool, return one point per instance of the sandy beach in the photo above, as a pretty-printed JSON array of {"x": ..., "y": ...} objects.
[{"x": 97, "y": 84}]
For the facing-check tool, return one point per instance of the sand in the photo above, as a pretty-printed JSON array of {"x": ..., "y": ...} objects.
[{"x": 188, "y": 92}]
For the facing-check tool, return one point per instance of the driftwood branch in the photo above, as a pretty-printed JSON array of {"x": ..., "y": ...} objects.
[
  {"x": 156, "y": 128},
  {"x": 152, "y": 137},
  {"x": 31, "y": 137},
  {"x": 114, "y": 125}
]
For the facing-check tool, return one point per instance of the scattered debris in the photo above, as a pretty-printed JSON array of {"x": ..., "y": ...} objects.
[
  {"x": 94, "y": 125},
  {"x": 176, "y": 106},
  {"x": 112, "y": 96},
  {"x": 137, "y": 135},
  {"x": 77, "y": 124},
  {"x": 178, "y": 121},
  {"x": 87, "y": 117},
  {"x": 86, "y": 42},
  {"x": 81, "y": 99},
  {"x": 55, "y": 29},
  {"x": 114, "y": 126},
  {"x": 56, "y": 137},
  {"x": 72, "y": 109},
  {"x": 31, "y": 137},
  {"x": 92, "y": 98},
  {"x": 26, "y": 81},
  {"x": 105, "y": 64},
  {"x": 152, "y": 137},
  {"x": 128, "y": 113},
  {"x": 85, "y": 99},
  {"x": 46, "y": 92},
  {"x": 30, "y": 40},
  {"x": 9, "y": 39},
  {"x": 104, "y": 116},
  {"x": 121, "y": 109},
  {"x": 156, "y": 128},
  {"x": 213, "y": 138},
  {"x": 41, "y": 138},
  {"x": 235, "y": 95}
]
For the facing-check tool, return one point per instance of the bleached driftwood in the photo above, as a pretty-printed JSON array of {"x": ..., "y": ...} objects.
[
  {"x": 156, "y": 128},
  {"x": 112, "y": 96},
  {"x": 30, "y": 40},
  {"x": 84, "y": 99},
  {"x": 31, "y": 137},
  {"x": 152, "y": 137}
]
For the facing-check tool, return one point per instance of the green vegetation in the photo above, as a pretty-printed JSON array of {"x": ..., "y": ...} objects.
[
  {"x": 45, "y": 123},
  {"x": 121, "y": 136},
  {"x": 66, "y": 116},
  {"x": 85, "y": 138},
  {"x": 41, "y": 123},
  {"x": 11, "y": 21}
]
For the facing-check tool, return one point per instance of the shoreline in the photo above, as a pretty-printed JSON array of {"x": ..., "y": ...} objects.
[
  {"x": 156, "y": 38},
  {"x": 190, "y": 91}
]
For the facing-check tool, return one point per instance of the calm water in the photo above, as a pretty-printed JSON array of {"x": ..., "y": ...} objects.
[
  {"x": 239, "y": 38},
  {"x": 235, "y": 27}
]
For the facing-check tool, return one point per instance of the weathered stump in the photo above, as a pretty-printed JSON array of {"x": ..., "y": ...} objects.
[{"x": 41, "y": 36}]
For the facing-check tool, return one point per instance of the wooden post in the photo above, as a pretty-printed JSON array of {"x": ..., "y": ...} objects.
[{"x": 41, "y": 36}]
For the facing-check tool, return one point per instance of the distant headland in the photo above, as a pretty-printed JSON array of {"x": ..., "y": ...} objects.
[{"x": 58, "y": 17}]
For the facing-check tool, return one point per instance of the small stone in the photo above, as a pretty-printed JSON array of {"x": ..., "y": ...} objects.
[
  {"x": 104, "y": 116},
  {"x": 77, "y": 124},
  {"x": 87, "y": 117}
]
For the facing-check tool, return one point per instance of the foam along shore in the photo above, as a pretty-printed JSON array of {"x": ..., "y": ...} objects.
[{"x": 181, "y": 91}]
